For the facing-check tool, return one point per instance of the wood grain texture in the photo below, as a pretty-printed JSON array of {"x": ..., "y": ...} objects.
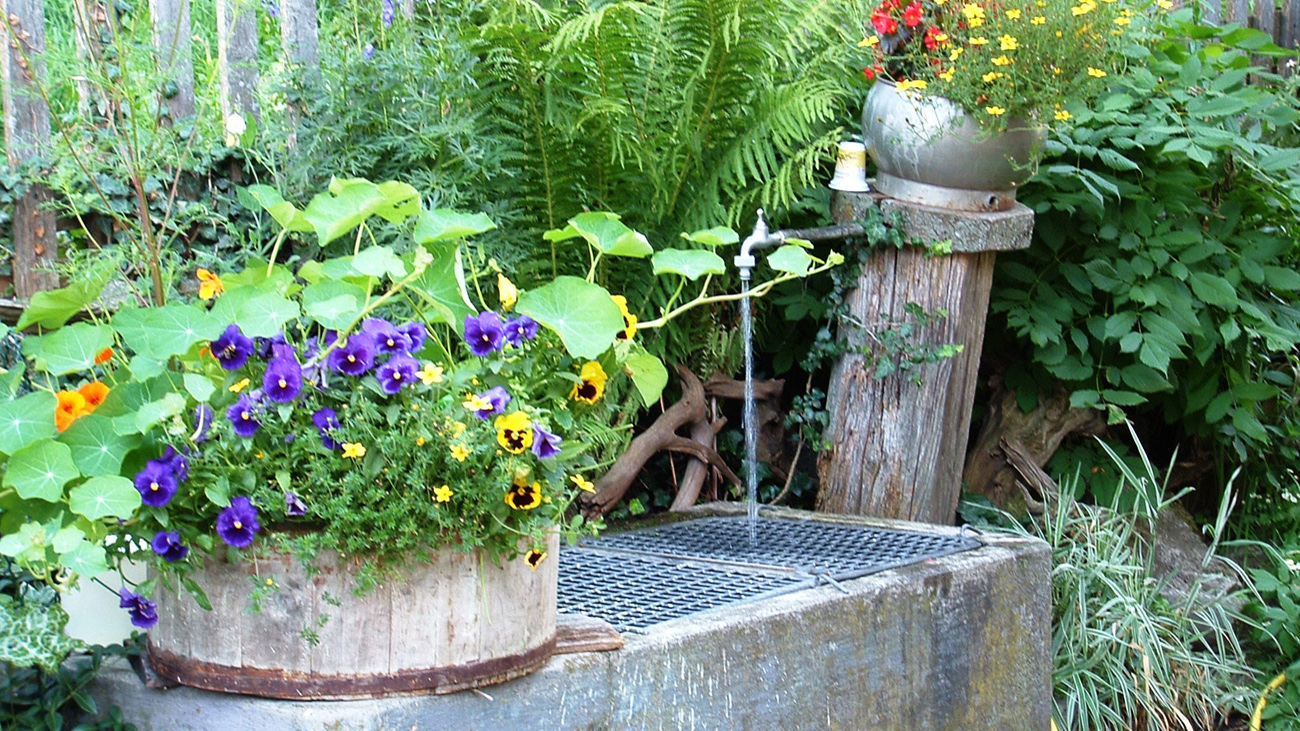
[
  {"x": 27, "y": 135},
  {"x": 300, "y": 35},
  {"x": 171, "y": 36},
  {"x": 237, "y": 57}
]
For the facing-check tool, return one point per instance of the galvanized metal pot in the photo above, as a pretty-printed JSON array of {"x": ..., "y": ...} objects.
[
  {"x": 928, "y": 151},
  {"x": 459, "y": 621}
]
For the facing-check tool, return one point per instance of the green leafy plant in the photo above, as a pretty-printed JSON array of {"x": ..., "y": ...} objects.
[{"x": 1276, "y": 609}]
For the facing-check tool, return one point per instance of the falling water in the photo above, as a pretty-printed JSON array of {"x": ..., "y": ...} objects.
[{"x": 750, "y": 420}]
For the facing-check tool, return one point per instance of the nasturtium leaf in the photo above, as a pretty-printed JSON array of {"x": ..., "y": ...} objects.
[
  {"x": 161, "y": 332},
  {"x": 442, "y": 224},
  {"x": 690, "y": 263},
  {"x": 790, "y": 258},
  {"x": 55, "y": 307},
  {"x": 200, "y": 387},
  {"x": 348, "y": 203},
  {"x": 151, "y": 413},
  {"x": 31, "y": 634},
  {"x": 265, "y": 314},
  {"x": 97, "y": 448},
  {"x": 648, "y": 375},
  {"x": 285, "y": 213},
  {"x": 333, "y": 303},
  {"x": 717, "y": 236},
  {"x": 441, "y": 286},
  {"x": 379, "y": 261},
  {"x": 86, "y": 559},
  {"x": 28, "y": 543},
  {"x": 107, "y": 496},
  {"x": 39, "y": 471},
  {"x": 606, "y": 233},
  {"x": 67, "y": 538},
  {"x": 143, "y": 367},
  {"x": 69, "y": 349},
  {"x": 401, "y": 201},
  {"x": 27, "y": 420},
  {"x": 582, "y": 313}
]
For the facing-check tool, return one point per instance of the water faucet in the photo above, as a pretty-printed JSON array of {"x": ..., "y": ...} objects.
[{"x": 745, "y": 261}]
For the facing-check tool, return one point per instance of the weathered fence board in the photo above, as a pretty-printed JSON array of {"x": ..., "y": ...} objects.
[
  {"x": 299, "y": 34},
  {"x": 237, "y": 57},
  {"x": 27, "y": 134},
  {"x": 171, "y": 36}
]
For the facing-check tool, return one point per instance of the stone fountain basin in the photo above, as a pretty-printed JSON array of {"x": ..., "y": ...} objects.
[{"x": 961, "y": 642}]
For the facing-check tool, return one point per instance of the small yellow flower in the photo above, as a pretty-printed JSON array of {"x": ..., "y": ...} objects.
[
  {"x": 956, "y": 54},
  {"x": 1001, "y": 61},
  {"x": 514, "y": 432},
  {"x": 1038, "y": 20},
  {"x": 1123, "y": 21},
  {"x": 353, "y": 450},
  {"x": 1013, "y": 14},
  {"x": 457, "y": 428},
  {"x": 419, "y": 441},
  {"x": 1164, "y": 4},
  {"x": 978, "y": 41},
  {"x": 430, "y": 374},
  {"x": 459, "y": 452},
  {"x": 946, "y": 75},
  {"x": 1096, "y": 73},
  {"x": 415, "y": 407},
  {"x": 592, "y": 386},
  {"x": 209, "y": 284},
  {"x": 474, "y": 402},
  {"x": 239, "y": 385},
  {"x": 1058, "y": 34},
  {"x": 507, "y": 292},
  {"x": 908, "y": 85},
  {"x": 991, "y": 76},
  {"x": 582, "y": 483},
  {"x": 534, "y": 558},
  {"x": 974, "y": 14},
  {"x": 1056, "y": 71},
  {"x": 1008, "y": 42},
  {"x": 442, "y": 494},
  {"x": 869, "y": 42},
  {"x": 1063, "y": 116},
  {"x": 1083, "y": 8},
  {"x": 270, "y": 581},
  {"x": 995, "y": 111},
  {"x": 259, "y": 454}
]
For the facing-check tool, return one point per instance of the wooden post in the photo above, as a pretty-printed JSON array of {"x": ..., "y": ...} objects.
[
  {"x": 91, "y": 31},
  {"x": 898, "y": 443},
  {"x": 300, "y": 36},
  {"x": 408, "y": 9},
  {"x": 1289, "y": 33},
  {"x": 1212, "y": 12},
  {"x": 171, "y": 36},
  {"x": 27, "y": 135},
  {"x": 237, "y": 57}
]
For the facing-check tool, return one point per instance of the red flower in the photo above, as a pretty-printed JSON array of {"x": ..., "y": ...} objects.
[
  {"x": 935, "y": 38},
  {"x": 882, "y": 22},
  {"x": 872, "y": 72},
  {"x": 913, "y": 14}
]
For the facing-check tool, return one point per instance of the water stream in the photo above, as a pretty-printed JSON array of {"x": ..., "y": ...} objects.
[{"x": 750, "y": 419}]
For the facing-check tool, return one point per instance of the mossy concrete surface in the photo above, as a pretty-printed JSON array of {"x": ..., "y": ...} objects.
[{"x": 959, "y": 643}]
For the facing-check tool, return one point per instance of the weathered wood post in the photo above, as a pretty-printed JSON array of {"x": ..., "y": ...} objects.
[
  {"x": 898, "y": 445},
  {"x": 237, "y": 58},
  {"x": 27, "y": 135},
  {"x": 171, "y": 36}
]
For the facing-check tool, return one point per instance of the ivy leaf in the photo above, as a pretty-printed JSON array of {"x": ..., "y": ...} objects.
[
  {"x": 442, "y": 224},
  {"x": 285, "y": 213},
  {"x": 333, "y": 303},
  {"x": 97, "y": 448},
  {"x": 718, "y": 236},
  {"x": 31, "y": 634},
  {"x": 648, "y": 375},
  {"x": 39, "y": 471},
  {"x": 605, "y": 232},
  {"x": 161, "y": 332},
  {"x": 105, "y": 497},
  {"x": 583, "y": 314},
  {"x": 792, "y": 259},
  {"x": 349, "y": 202},
  {"x": 26, "y": 421},
  {"x": 690, "y": 263},
  {"x": 69, "y": 349}
]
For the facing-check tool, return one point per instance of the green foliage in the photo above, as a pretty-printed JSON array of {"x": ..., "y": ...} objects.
[
  {"x": 1276, "y": 609},
  {"x": 1162, "y": 276}
]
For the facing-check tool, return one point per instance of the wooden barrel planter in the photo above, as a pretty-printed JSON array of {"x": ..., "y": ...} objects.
[{"x": 459, "y": 621}]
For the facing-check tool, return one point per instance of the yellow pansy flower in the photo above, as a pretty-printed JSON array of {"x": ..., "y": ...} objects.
[
  {"x": 995, "y": 111},
  {"x": 593, "y": 383},
  {"x": 353, "y": 450},
  {"x": 534, "y": 558},
  {"x": 459, "y": 452},
  {"x": 430, "y": 374},
  {"x": 514, "y": 432},
  {"x": 629, "y": 320},
  {"x": 506, "y": 292},
  {"x": 442, "y": 494},
  {"x": 524, "y": 495}
]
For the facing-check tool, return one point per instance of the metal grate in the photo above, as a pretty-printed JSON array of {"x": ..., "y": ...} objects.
[{"x": 645, "y": 576}]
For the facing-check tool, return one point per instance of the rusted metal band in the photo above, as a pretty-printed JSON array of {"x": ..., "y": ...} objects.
[{"x": 299, "y": 686}]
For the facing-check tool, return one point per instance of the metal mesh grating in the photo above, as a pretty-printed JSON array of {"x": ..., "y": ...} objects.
[{"x": 645, "y": 576}]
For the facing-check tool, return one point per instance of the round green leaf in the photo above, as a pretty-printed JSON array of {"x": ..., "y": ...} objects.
[
  {"x": 648, "y": 375},
  {"x": 200, "y": 387},
  {"x": 379, "y": 261},
  {"x": 97, "y": 448},
  {"x": 333, "y": 303},
  {"x": 582, "y": 313},
  {"x": 27, "y": 420},
  {"x": 348, "y": 203},
  {"x": 401, "y": 201},
  {"x": 690, "y": 263},
  {"x": 285, "y": 213},
  {"x": 790, "y": 258},
  {"x": 442, "y": 287},
  {"x": 86, "y": 559},
  {"x": 442, "y": 224},
  {"x": 105, "y": 497},
  {"x": 69, "y": 349},
  {"x": 260, "y": 311},
  {"x": 161, "y": 332},
  {"x": 39, "y": 471},
  {"x": 606, "y": 233},
  {"x": 719, "y": 236}
]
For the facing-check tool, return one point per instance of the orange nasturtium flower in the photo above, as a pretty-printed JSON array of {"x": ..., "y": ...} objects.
[
  {"x": 104, "y": 356},
  {"x": 209, "y": 284},
  {"x": 71, "y": 406},
  {"x": 94, "y": 393}
]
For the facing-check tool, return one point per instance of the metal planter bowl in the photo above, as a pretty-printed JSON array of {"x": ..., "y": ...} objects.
[{"x": 927, "y": 151}]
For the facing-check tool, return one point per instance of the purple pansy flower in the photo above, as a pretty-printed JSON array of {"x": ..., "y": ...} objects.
[
  {"x": 388, "y": 14},
  {"x": 238, "y": 524},
  {"x": 519, "y": 329},
  {"x": 497, "y": 398},
  {"x": 168, "y": 545},
  {"x": 265, "y": 346},
  {"x": 242, "y": 415},
  {"x": 283, "y": 379},
  {"x": 202, "y": 423},
  {"x": 386, "y": 337},
  {"x": 326, "y": 420},
  {"x": 397, "y": 372},
  {"x": 156, "y": 483},
  {"x": 354, "y": 357},
  {"x": 144, "y": 613},
  {"x": 417, "y": 333},
  {"x": 368, "y": 52},
  {"x": 294, "y": 507},
  {"x": 177, "y": 463},
  {"x": 484, "y": 333},
  {"x": 545, "y": 444},
  {"x": 232, "y": 348}
]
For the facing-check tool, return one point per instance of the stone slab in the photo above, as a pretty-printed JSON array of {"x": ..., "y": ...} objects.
[
  {"x": 959, "y": 643},
  {"x": 970, "y": 231}
]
